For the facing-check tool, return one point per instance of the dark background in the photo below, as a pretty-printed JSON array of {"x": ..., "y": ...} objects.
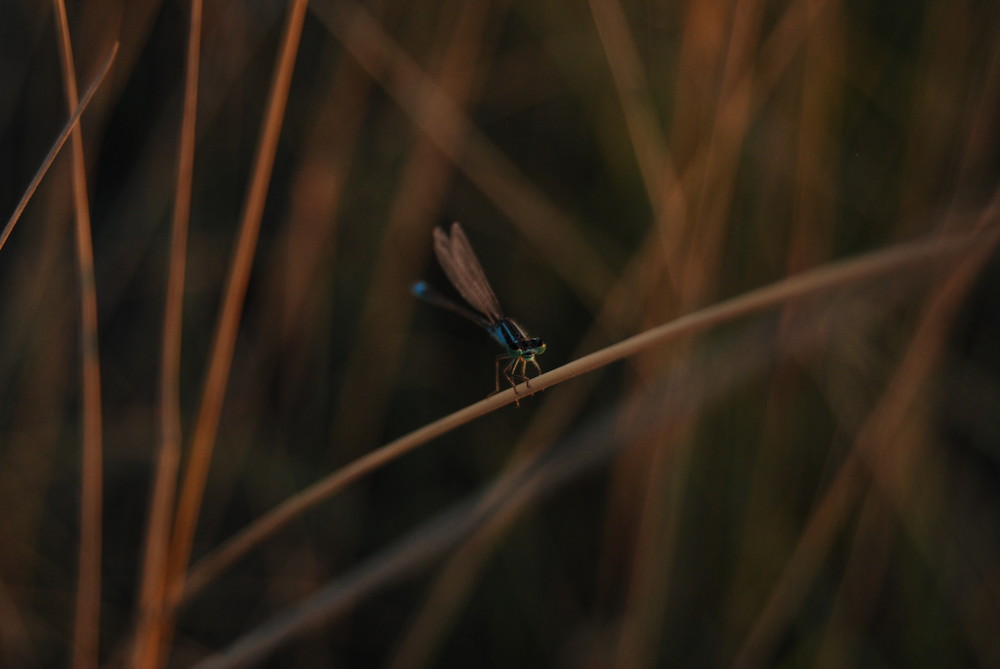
[{"x": 751, "y": 142}]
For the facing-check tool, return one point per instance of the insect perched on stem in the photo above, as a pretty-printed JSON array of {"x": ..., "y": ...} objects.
[{"x": 462, "y": 268}]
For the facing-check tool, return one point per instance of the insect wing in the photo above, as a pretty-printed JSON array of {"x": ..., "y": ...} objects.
[{"x": 460, "y": 264}]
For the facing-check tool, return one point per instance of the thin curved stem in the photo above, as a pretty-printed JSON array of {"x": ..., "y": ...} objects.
[{"x": 870, "y": 266}]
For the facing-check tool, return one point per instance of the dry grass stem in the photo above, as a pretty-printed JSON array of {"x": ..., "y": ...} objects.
[
  {"x": 809, "y": 284},
  {"x": 206, "y": 426},
  {"x": 58, "y": 144}
]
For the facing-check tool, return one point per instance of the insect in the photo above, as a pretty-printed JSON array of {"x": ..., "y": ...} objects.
[{"x": 462, "y": 268}]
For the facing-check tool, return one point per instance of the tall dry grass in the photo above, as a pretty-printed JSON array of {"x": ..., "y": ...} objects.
[{"x": 758, "y": 237}]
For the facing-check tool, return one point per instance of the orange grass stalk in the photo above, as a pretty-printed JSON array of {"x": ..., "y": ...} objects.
[
  {"x": 149, "y": 648},
  {"x": 86, "y": 627},
  {"x": 207, "y": 423},
  {"x": 818, "y": 281}
]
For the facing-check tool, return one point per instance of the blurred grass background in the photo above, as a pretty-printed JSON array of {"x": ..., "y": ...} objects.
[{"x": 616, "y": 164}]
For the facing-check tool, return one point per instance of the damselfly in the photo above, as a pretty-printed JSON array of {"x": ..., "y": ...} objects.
[{"x": 462, "y": 268}]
